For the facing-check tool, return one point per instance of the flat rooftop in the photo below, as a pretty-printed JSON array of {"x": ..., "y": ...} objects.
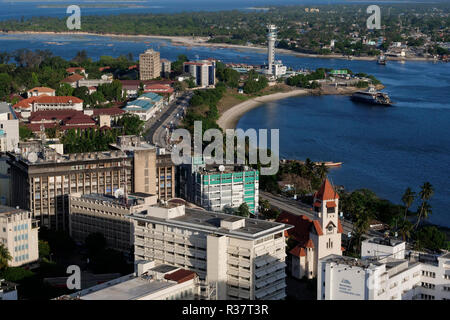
[
  {"x": 130, "y": 289},
  {"x": 210, "y": 222},
  {"x": 5, "y": 210},
  {"x": 385, "y": 241},
  {"x": 132, "y": 198}
]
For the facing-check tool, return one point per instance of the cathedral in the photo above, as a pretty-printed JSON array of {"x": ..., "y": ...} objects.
[{"x": 317, "y": 237}]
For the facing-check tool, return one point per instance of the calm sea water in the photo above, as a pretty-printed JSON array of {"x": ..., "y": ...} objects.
[{"x": 383, "y": 149}]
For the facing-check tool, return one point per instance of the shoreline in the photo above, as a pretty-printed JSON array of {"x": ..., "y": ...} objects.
[
  {"x": 202, "y": 42},
  {"x": 230, "y": 118}
]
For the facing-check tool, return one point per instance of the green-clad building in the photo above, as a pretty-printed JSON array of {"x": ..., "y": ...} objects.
[{"x": 216, "y": 188}]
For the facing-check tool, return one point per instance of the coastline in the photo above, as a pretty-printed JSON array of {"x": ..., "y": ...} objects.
[
  {"x": 230, "y": 118},
  {"x": 202, "y": 42}
]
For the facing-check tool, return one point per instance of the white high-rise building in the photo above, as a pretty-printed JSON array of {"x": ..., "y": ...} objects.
[
  {"x": 243, "y": 257},
  {"x": 271, "y": 38}
]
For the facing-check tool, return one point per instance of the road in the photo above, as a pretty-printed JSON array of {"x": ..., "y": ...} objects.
[
  {"x": 156, "y": 127},
  {"x": 298, "y": 208}
]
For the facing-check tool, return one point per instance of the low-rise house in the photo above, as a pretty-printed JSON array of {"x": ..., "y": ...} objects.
[
  {"x": 73, "y": 80},
  {"x": 39, "y": 91}
]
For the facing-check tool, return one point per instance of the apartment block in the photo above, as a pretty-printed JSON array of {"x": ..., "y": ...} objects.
[
  {"x": 418, "y": 276},
  {"x": 41, "y": 181},
  {"x": 166, "y": 67},
  {"x": 204, "y": 72},
  {"x": 108, "y": 215},
  {"x": 165, "y": 176},
  {"x": 19, "y": 234},
  {"x": 149, "y": 65},
  {"x": 243, "y": 258}
]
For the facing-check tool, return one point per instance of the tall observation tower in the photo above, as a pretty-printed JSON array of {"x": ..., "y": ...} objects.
[{"x": 271, "y": 38}]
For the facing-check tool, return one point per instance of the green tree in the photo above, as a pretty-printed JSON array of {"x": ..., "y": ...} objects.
[
  {"x": 64, "y": 89},
  {"x": 243, "y": 210},
  {"x": 5, "y": 257},
  {"x": 44, "y": 249},
  {"x": 408, "y": 199},
  {"x": 426, "y": 192},
  {"x": 25, "y": 133},
  {"x": 131, "y": 124},
  {"x": 431, "y": 238}
]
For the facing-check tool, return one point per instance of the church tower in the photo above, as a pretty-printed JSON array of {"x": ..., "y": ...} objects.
[{"x": 329, "y": 229}]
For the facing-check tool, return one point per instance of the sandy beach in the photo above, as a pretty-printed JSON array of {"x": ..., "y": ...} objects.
[
  {"x": 230, "y": 118},
  {"x": 202, "y": 42}
]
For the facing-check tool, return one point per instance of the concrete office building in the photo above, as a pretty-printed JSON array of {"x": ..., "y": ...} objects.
[
  {"x": 149, "y": 65},
  {"x": 166, "y": 67},
  {"x": 203, "y": 72},
  {"x": 40, "y": 182},
  {"x": 9, "y": 128},
  {"x": 165, "y": 176},
  {"x": 144, "y": 162},
  {"x": 149, "y": 282},
  {"x": 218, "y": 187},
  {"x": 19, "y": 234},
  {"x": 243, "y": 258},
  {"x": 416, "y": 276},
  {"x": 108, "y": 215}
]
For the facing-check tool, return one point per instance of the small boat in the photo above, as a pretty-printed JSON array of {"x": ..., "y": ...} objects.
[
  {"x": 382, "y": 60},
  {"x": 329, "y": 164},
  {"x": 372, "y": 96}
]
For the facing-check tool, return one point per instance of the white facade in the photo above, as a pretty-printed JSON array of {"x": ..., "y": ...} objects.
[
  {"x": 271, "y": 38},
  {"x": 420, "y": 277},
  {"x": 243, "y": 257},
  {"x": 203, "y": 72},
  {"x": 19, "y": 234},
  {"x": 383, "y": 247},
  {"x": 9, "y": 128},
  {"x": 58, "y": 105}
]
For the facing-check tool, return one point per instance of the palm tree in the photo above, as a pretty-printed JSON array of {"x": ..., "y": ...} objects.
[
  {"x": 4, "y": 257},
  {"x": 425, "y": 194},
  {"x": 408, "y": 198},
  {"x": 405, "y": 230},
  {"x": 322, "y": 171}
]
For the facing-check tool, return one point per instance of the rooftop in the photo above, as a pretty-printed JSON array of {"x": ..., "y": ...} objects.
[
  {"x": 385, "y": 241},
  {"x": 5, "y": 210},
  {"x": 133, "y": 286},
  {"x": 209, "y": 221}
]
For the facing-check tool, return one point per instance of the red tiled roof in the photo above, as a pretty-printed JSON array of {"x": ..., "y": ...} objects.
[
  {"x": 58, "y": 99},
  {"x": 331, "y": 204},
  {"x": 109, "y": 111},
  {"x": 42, "y": 89},
  {"x": 104, "y": 68},
  {"x": 73, "y": 78},
  {"x": 339, "y": 227},
  {"x": 180, "y": 276},
  {"x": 81, "y": 119},
  {"x": 52, "y": 115},
  {"x": 326, "y": 192},
  {"x": 26, "y": 103},
  {"x": 318, "y": 228},
  {"x": 317, "y": 204},
  {"x": 309, "y": 244},
  {"x": 298, "y": 251},
  {"x": 342, "y": 249},
  {"x": 302, "y": 226},
  {"x": 36, "y": 127},
  {"x": 78, "y": 126},
  {"x": 74, "y": 69}
]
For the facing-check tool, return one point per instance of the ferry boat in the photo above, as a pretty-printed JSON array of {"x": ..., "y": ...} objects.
[
  {"x": 372, "y": 96},
  {"x": 382, "y": 60}
]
